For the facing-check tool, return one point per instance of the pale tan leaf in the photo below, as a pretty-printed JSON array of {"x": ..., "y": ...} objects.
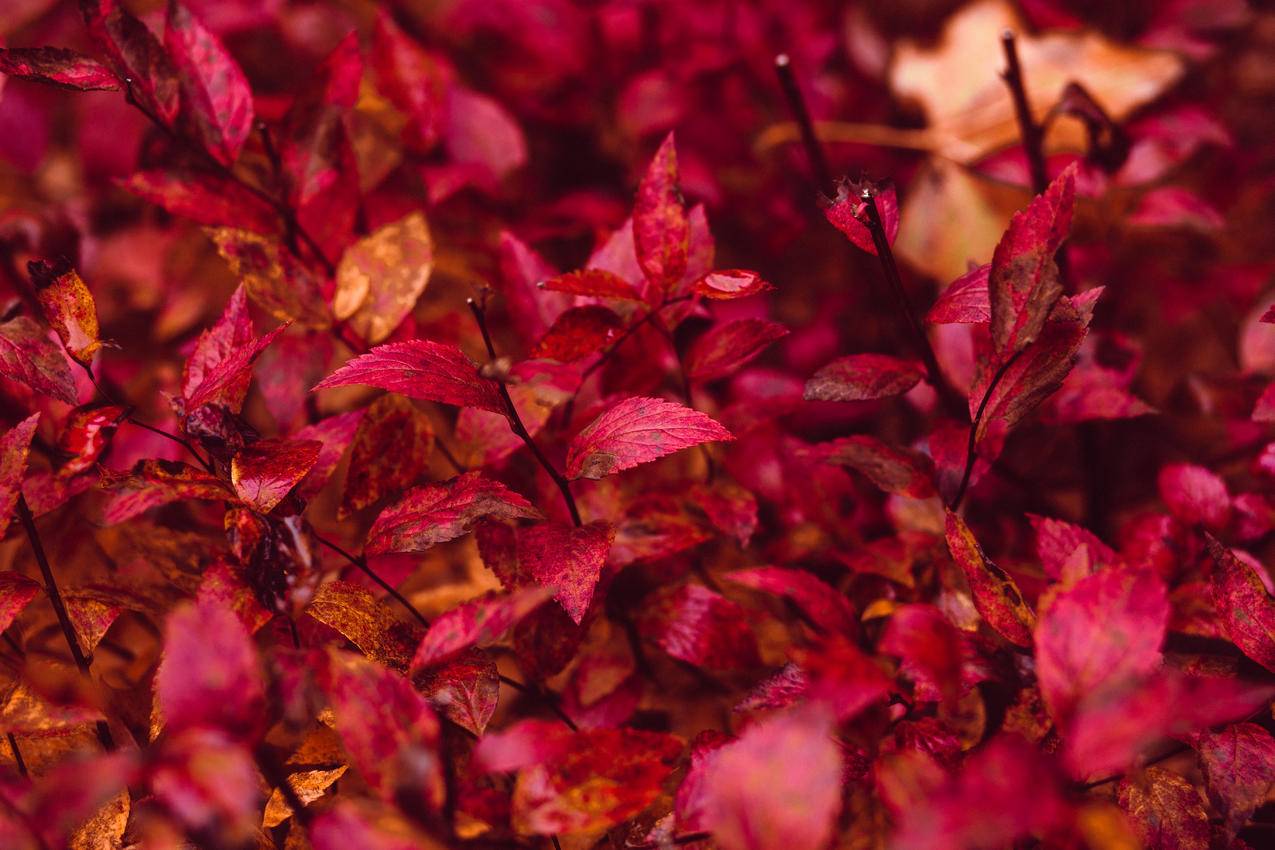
[{"x": 381, "y": 276}]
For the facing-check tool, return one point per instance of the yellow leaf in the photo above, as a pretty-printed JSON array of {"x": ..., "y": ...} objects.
[
  {"x": 950, "y": 219},
  {"x": 958, "y": 84},
  {"x": 381, "y": 276},
  {"x": 277, "y": 281}
]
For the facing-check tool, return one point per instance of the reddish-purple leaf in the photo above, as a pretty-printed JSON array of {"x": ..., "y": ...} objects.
[
  {"x": 1239, "y": 770},
  {"x": 849, "y": 215},
  {"x": 860, "y": 377},
  {"x": 1166, "y": 811},
  {"x": 412, "y": 79},
  {"x": 204, "y": 199},
  {"x": 209, "y": 675},
  {"x": 1062, "y": 546},
  {"x": 966, "y": 300},
  {"x": 826, "y": 607},
  {"x": 465, "y": 690},
  {"x": 1028, "y": 380},
  {"x": 135, "y": 54},
  {"x": 1175, "y": 206},
  {"x": 152, "y": 483},
  {"x": 390, "y": 452},
  {"x": 16, "y": 592},
  {"x": 264, "y": 472},
  {"x": 15, "y": 445},
  {"x": 1246, "y": 609},
  {"x": 85, "y": 435},
  {"x": 347, "y": 825},
  {"x": 436, "y": 513},
  {"x": 522, "y": 744},
  {"x": 224, "y": 586},
  {"x": 217, "y": 98},
  {"x": 479, "y": 621},
  {"x": 929, "y": 647},
  {"x": 604, "y": 778},
  {"x": 578, "y": 333},
  {"x": 842, "y": 676},
  {"x": 430, "y": 371},
  {"x": 57, "y": 66},
  {"x": 481, "y": 134},
  {"x": 28, "y": 355},
  {"x": 1023, "y": 284},
  {"x": 219, "y": 370},
  {"x": 597, "y": 283},
  {"x": 725, "y": 348},
  {"x": 661, "y": 228},
  {"x": 893, "y": 469},
  {"x": 1195, "y": 495},
  {"x": 636, "y": 431},
  {"x": 729, "y": 284},
  {"x": 566, "y": 558},
  {"x": 996, "y": 596},
  {"x": 1105, "y": 628},
  {"x": 779, "y": 785},
  {"x": 693, "y": 624},
  {"x": 387, "y": 728}
]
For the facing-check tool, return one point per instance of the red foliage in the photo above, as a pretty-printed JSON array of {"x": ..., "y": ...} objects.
[{"x": 525, "y": 423}]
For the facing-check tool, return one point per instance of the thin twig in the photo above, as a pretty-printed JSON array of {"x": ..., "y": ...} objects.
[
  {"x": 549, "y": 699},
  {"x": 970, "y": 454},
  {"x": 951, "y": 399},
  {"x": 797, "y": 104},
  {"x": 133, "y": 420},
  {"x": 59, "y": 608},
  {"x": 515, "y": 421},
  {"x": 460, "y": 468},
  {"x": 361, "y": 562},
  {"x": 1032, "y": 135},
  {"x": 17, "y": 755}
]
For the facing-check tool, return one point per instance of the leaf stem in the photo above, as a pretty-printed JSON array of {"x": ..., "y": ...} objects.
[
  {"x": 59, "y": 608},
  {"x": 890, "y": 268},
  {"x": 549, "y": 699},
  {"x": 17, "y": 756},
  {"x": 1031, "y": 132},
  {"x": 515, "y": 421},
  {"x": 797, "y": 104},
  {"x": 360, "y": 561},
  {"x": 132, "y": 420},
  {"x": 978, "y": 419}
]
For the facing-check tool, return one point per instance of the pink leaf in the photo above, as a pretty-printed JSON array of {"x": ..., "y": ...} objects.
[
  {"x": 436, "y": 513},
  {"x": 635, "y": 431},
  {"x": 996, "y": 596},
  {"x": 28, "y": 355},
  {"x": 726, "y": 348},
  {"x": 266, "y": 471},
  {"x": 16, "y": 592},
  {"x": 1247, "y": 610},
  {"x": 479, "y": 621},
  {"x": 893, "y": 469},
  {"x": 217, "y": 96},
  {"x": 566, "y": 558},
  {"x": 15, "y": 445},
  {"x": 59, "y": 67},
  {"x": 693, "y": 624},
  {"x": 861, "y": 377},
  {"x": 1194, "y": 495},
  {"x": 430, "y": 371},
  {"x": 826, "y": 607},
  {"x": 965, "y": 301},
  {"x": 597, "y": 283},
  {"x": 661, "y": 228}
]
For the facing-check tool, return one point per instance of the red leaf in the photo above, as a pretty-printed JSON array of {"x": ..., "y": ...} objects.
[
  {"x": 779, "y": 785},
  {"x": 849, "y": 212},
  {"x": 387, "y": 728},
  {"x": 223, "y": 586},
  {"x": 1031, "y": 378},
  {"x": 597, "y": 283},
  {"x": 1246, "y": 609},
  {"x": 861, "y": 377},
  {"x": 1175, "y": 206},
  {"x": 1062, "y": 546},
  {"x": 465, "y": 690},
  {"x": 729, "y": 284},
  {"x": 693, "y": 624},
  {"x": 204, "y": 199},
  {"x": 893, "y": 469},
  {"x": 1239, "y": 770},
  {"x": 1105, "y": 628},
  {"x": 1166, "y": 810},
  {"x": 28, "y": 355},
  {"x": 606, "y": 777},
  {"x": 68, "y": 307},
  {"x": 15, "y": 445},
  {"x": 152, "y": 483},
  {"x": 965, "y": 301},
  {"x": 430, "y": 371},
  {"x": 930, "y": 648},
  {"x": 223, "y": 381},
  {"x": 480, "y": 133},
  {"x": 57, "y": 66},
  {"x": 266, "y": 471},
  {"x": 412, "y": 79},
  {"x": 1023, "y": 284},
  {"x": 1194, "y": 495},
  {"x": 725, "y": 348},
  {"x": 85, "y": 435},
  {"x": 16, "y": 592},
  {"x": 334, "y": 435},
  {"x": 346, "y": 826},
  {"x": 217, "y": 96},
  {"x": 436, "y": 513},
  {"x": 636, "y": 431},
  {"x": 843, "y": 677},
  {"x": 568, "y": 559},
  {"x": 523, "y": 744},
  {"x": 479, "y": 621},
  {"x": 996, "y": 596},
  {"x": 135, "y": 54},
  {"x": 661, "y": 228},
  {"x": 209, "y": 676},
  {"x": 578, "y": 333},
  {"x": 826, "y": 607}
]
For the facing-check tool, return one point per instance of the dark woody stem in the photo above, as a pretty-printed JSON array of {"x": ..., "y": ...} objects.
[
  {"x": 515, "y": 421},
  {"x": 797, "y": 104},
  {"x": 971, "y": 446},
  {"x": 1031, "y": 132}
]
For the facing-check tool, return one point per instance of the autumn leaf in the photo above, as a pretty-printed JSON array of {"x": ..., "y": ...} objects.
[
  {"x": 430, "y": 371},
  {"x": 220, "y": 368},
  {"x": 996, "y": 596},
  {"x": 1238, "y": 772},
  {"x": 1024, "y": 282},
  {"x": 848, "y": 213},
  {"x": 778, "y": 785},
  {"x": 436, "y": 513},
  {"x": 365, "y": 622},
  {"x": 966, "y": 300},
  {"x": 264, "y": 472},
  {"x": 568, "y": 560},
  {"x": 465, "y": 690},
  {"x": 153, "y": 483},
  {"x": 693, "y": 624},
  {"x": 661, "y": 229},
  {"x": 823, "y": 605},
  {"x": 929, "y": 647},
  {"x": 1165, "y": 809},
  {"x": 862, "y": 377},
  {"x": 28, "y": 356},
  {"x": 635, "y": 431},
  {"x": 893, "y": 469},
  {"x": 726, "y": 348},
  {"x": 1247, "y": 610},
  {"x": 578, "y": 333},
  {"x": 1194, "y": 494},
  {"x": 214, "y": 90},
  {"x": 57, "y": 66},
  {"x": 391, "y": 422},
  {"x": 729, "y": 284},
  {"x": 204, "y": 199},
  {"x": 597, "y": 283},
  {"x": 412, "y": 79},
  {"x": 14, "y": 448},
  {"x": 133, "y": 53},
  {"x": 16, "y": 592},
  {"x": 381, "y": 276},
  {"x": 276, "y": 280},
  {"x": 1062, "y": 546},
  {"x": 480, "y": 621}
]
